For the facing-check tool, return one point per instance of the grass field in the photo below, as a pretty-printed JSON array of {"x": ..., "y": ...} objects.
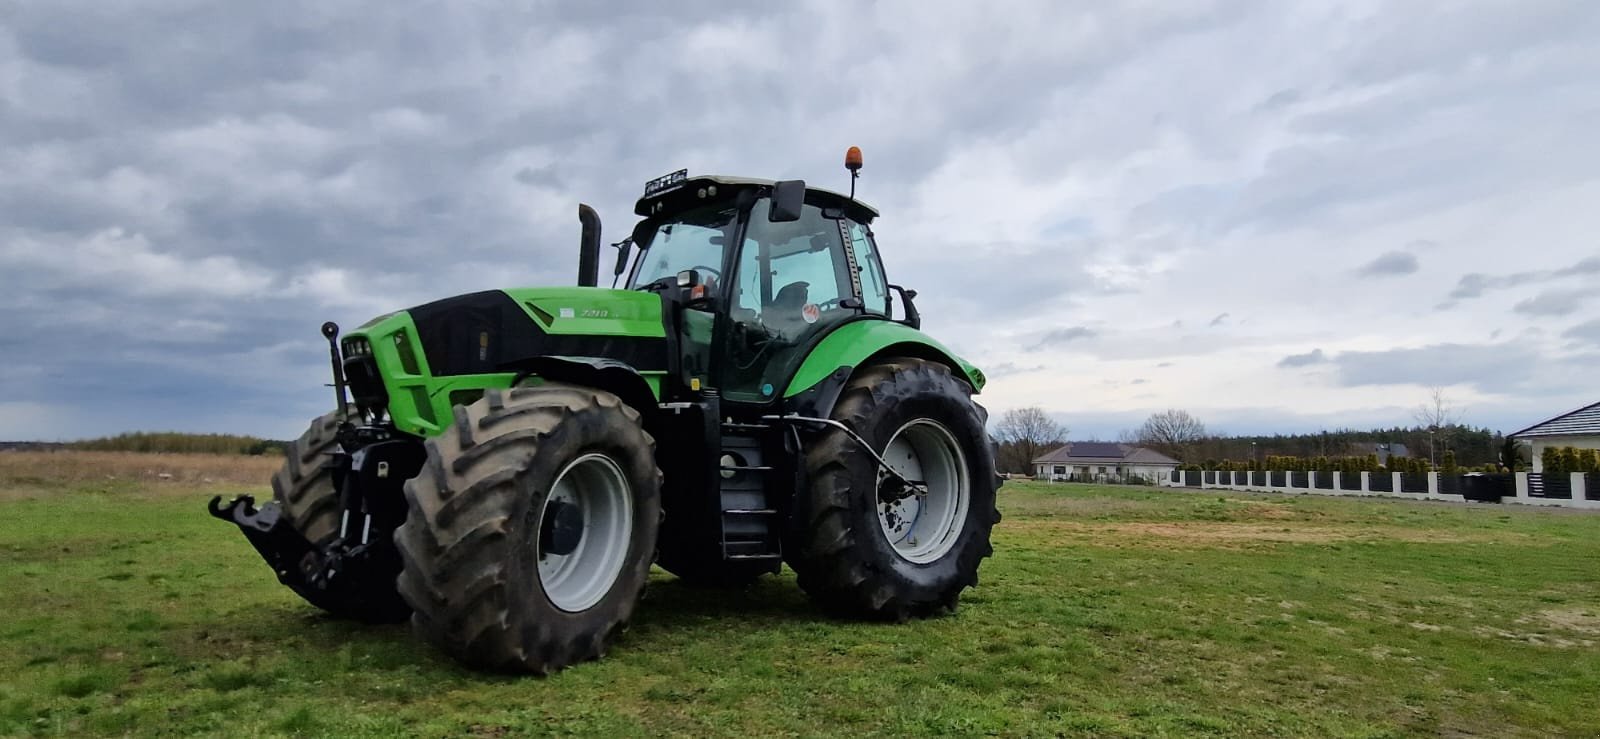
[{"x": 1106, "y": 610}]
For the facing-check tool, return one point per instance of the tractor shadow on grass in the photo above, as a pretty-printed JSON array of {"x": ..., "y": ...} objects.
[
  {"x": 671, "y": 612},
  {"x": 670, "y": 603}
]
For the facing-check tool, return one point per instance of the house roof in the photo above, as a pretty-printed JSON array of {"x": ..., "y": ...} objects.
[
  {"x": 1585, "y": 420},
  {"x": 1100, "y": 452}
]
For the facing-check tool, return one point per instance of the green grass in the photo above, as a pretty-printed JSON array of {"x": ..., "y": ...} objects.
[{"x": 1105, "y": 611}]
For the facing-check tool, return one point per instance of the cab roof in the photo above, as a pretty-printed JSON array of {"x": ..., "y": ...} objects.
[{"x": 687, "y": 193}]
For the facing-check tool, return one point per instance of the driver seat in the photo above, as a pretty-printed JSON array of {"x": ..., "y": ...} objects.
[{"x": 783, "y": 314}]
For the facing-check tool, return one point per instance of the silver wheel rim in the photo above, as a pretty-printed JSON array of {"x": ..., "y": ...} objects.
[
  {"x": 924, "y": 529},
  {"x": 579, "y": 579}
]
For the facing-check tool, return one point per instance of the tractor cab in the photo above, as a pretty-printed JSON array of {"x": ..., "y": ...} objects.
[{"x": 758, "y": 270}]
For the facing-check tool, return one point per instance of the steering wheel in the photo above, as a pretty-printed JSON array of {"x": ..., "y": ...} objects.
[{"x": 716, "y": 273}]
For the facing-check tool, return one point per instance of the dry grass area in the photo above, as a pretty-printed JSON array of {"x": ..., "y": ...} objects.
[{"x": 26, "y": 474}]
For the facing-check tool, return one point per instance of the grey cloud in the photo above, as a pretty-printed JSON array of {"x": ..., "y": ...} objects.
[
  {"x": 1588, "y": 266},
  {"x": 1221, "y": 317},
  {"x": 1553, "y": 303},
  {"x": 1390, "y": 263},
  {"x": 1064, "y": 336},
  {"x": 1471, "y": 286},
  {"x": 1281, "y": 99},
  {"x": 1475, "y": 284},
  {"x": 1004, "y": 369},
  {"x": 1588, "y": 331},
  {"x": 1492, "y": 368},
  {"x": 1315, "y": 356}
]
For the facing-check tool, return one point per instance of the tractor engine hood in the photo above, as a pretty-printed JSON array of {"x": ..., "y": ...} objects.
[
  {"x": 496, "y": 330},
  {"x": 418, "y": 363}
]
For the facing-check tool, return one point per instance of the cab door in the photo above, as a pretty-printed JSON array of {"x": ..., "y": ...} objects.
[{"x": 792, "y": 282}]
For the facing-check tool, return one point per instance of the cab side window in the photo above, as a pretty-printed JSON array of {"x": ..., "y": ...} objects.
[
  {"x": 874, "y": 288},
  {"x": 793, "y": 275}
]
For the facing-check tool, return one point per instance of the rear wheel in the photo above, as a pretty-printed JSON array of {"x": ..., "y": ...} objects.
[
  {"x": 531, "y": 529},
  {"x": 863, "y": 545},
  {"x": 303, "y": 488}
]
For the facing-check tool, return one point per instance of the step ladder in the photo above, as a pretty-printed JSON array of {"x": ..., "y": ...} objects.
[{"x": 750, "y": 520}]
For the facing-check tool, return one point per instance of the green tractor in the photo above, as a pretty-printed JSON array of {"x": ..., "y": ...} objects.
[{"x": 504, "y": 467}]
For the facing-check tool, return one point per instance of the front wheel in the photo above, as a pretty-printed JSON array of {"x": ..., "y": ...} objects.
[
  {"x": 864, "y": 544},
  {"x": 531, "y": 529}
]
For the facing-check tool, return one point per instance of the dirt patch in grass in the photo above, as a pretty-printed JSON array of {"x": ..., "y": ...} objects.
[
  {"x": 1578, "y": 620},
  {"x": 1224, "y": 534}
]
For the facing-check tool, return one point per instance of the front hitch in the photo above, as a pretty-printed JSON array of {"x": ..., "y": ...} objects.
[
  {"x": 291, "y": 556},
  {"x": 352, "y": 581}
]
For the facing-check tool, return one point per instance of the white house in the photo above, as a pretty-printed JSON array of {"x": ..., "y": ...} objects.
[
  {"x": 1579, "y": 429},
  {"x": 1098, "y": 460}
]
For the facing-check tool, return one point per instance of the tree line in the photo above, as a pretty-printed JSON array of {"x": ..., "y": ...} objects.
[
  {"x": 181, "y": 443},
  {"x": 1025, "y": 434}
]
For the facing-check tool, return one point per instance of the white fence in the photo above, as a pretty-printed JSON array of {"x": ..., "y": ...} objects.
[{"x": 1582, "y": 495}]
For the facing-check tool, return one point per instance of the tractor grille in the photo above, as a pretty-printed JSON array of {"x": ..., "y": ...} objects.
[{"x": 366, "y": 385}]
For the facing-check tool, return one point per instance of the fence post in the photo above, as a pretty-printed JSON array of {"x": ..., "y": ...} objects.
[
  {"x": 1338, "y": 483},
  {"x": 1395, "y": 484},
  {"x": 1366, "y": 482},
  {"x": 1579, "y": 487},
  {"x": 1522, "y": 485},
  {"x": 1433, "y": 483}
]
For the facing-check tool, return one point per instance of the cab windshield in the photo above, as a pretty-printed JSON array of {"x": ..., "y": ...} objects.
[{"x": 697, "y": 240}]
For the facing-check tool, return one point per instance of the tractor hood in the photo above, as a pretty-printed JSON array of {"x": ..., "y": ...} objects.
[
  {"x": 496, "y": 330},
  {"x": 421, "y": 361}
]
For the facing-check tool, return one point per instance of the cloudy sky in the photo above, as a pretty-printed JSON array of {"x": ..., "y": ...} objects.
[{"x": 1280, "y": 216}]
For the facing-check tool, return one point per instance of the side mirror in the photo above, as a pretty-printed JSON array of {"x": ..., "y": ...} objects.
[
  {"x": 913, "y": 318},
  {"x": 788, "y": 198},
  {"x": 624, "y": 248}
]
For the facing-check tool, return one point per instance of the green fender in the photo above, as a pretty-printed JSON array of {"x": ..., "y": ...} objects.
[{"x": 855, "y": 344}]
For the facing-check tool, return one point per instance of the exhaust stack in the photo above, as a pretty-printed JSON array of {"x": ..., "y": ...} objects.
[{"x": 588, "y": 247}]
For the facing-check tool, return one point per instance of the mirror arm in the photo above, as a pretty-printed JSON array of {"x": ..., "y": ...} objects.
[
  {"x": 624, "y": 250},
  {"x": 913, "y": 318}
]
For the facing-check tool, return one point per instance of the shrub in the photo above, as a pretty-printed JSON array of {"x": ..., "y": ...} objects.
[{"x": 1550, "y": 460}]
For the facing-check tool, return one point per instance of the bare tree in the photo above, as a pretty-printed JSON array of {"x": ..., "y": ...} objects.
[
  {"x": 1172, "y": 432},
  {"x": 1438, "y": 416},
  {"x": 1024, "y": 435}
]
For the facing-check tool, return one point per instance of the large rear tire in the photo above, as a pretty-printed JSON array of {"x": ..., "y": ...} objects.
[
  {"x": 859, "y": 555},
  {"x": 303, "y": 488},
  {"x": 531, "y": 529}
]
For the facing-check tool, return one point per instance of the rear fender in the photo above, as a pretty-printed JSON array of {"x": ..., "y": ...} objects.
[{"x": 854, "y": 346}]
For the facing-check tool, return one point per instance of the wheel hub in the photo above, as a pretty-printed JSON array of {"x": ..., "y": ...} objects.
[
  {"x": 923, "y": 526},
  {"x": 584, "y": 533},
  {"x": 562, "y": 528}
]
